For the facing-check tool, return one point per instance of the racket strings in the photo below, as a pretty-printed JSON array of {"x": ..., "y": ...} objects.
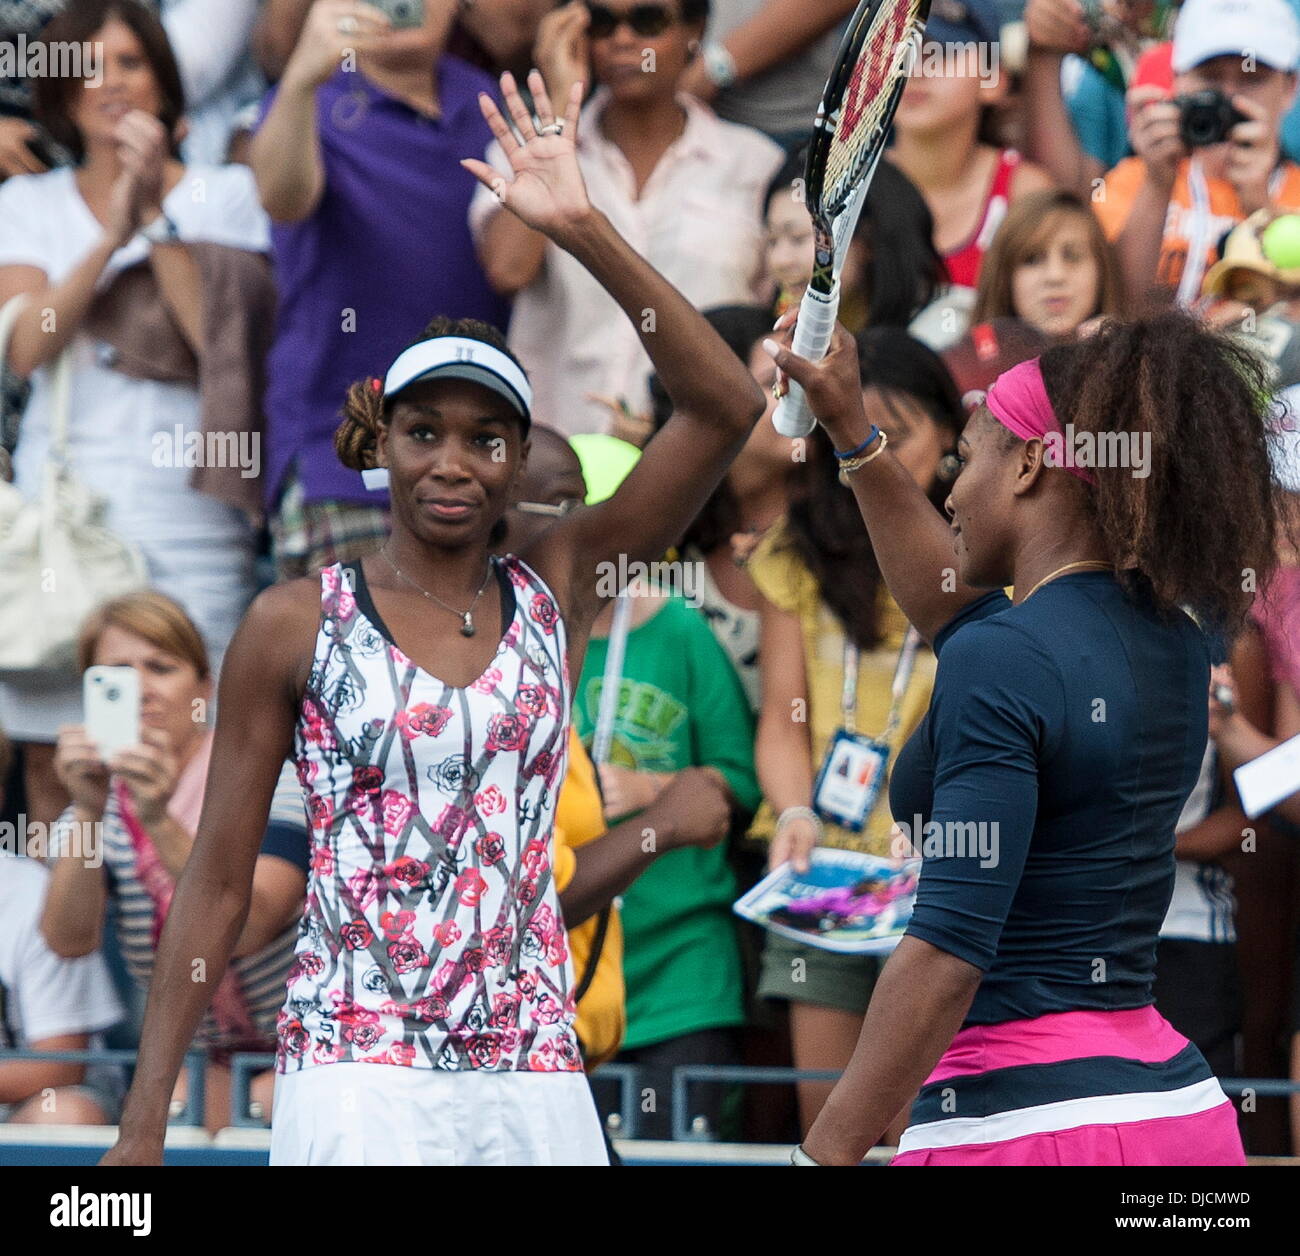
[{"x": 886, "y": 58}]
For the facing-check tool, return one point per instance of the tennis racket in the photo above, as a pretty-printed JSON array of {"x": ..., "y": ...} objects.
[{"x": 871, "y": 69}]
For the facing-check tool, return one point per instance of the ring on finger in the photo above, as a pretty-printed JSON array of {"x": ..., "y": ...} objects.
[{"x": 552, "y": 128}]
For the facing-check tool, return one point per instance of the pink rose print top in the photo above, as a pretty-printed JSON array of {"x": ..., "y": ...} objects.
[{"x": 432, "y": 934}]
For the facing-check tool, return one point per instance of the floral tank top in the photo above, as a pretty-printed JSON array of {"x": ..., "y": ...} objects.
[{"x": 432, "y": 935}]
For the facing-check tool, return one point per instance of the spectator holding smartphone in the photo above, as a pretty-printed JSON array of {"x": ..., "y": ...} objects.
[
  {"x": 1203, "y": 165},
  {"x": 145, "y": 804},
  {"x": 130, "y": 238}
]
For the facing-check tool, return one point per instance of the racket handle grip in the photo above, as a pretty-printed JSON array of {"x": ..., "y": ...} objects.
[{"x": 812, "y": 337}]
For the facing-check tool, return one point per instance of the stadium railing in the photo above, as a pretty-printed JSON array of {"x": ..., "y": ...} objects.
[{"x": 247, "y": 1139}]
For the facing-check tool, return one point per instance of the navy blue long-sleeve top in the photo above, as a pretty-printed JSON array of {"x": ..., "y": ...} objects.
[{"x": 1072, "y": 727}]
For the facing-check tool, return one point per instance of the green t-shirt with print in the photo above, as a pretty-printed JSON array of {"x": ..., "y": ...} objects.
[{"x": 680, "y": 705}]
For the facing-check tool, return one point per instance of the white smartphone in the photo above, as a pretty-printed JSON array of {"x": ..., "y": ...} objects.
[{"x": 111, "y": 707}]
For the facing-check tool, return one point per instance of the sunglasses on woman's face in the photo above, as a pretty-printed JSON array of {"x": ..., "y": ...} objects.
[{"x": 644, "y": 19}]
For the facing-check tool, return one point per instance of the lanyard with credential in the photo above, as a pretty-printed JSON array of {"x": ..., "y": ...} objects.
[{"x": 898, "y": 690}]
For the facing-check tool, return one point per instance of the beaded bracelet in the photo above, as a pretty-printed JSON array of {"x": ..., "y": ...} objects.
[
  {"x": 800, "y": 813},
  {"x": 855, "y": 464},
  {"x": 853, "y": 453}
]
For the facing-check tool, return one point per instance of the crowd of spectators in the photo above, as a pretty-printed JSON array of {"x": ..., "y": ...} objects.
[{"x": 252, "y": 206}]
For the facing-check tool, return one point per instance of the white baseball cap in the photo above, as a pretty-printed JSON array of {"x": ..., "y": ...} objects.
[{"x": 1264, "y": 29}]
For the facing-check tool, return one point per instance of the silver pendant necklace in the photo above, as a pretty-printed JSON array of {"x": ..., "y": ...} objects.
[{"x": 467, "y": 628}]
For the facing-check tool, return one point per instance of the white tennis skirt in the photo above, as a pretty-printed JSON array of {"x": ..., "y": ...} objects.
[{"x": 383, "y": 1114}]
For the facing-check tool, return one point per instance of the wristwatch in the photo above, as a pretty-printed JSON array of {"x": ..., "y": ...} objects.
[
  {"x": 719, "y": 64},
  {"x": 161, "y": 231}
]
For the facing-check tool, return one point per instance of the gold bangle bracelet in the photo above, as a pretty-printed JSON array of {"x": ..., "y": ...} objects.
[{"x": 855, "y": 464}]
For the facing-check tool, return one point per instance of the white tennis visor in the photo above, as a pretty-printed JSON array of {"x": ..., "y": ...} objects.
[{"x": 458, "y": 357}]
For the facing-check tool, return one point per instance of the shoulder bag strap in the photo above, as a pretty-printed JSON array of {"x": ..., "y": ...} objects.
[
  {"x": 61, "y": 372},
  {"x": 8, "y": 317}
]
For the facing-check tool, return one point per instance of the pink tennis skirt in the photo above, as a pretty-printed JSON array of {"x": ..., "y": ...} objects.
[{"x": 1073, "y": 1088}]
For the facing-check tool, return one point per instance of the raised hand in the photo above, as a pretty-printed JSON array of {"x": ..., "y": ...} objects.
[
  {"x": 332, "y": 28},
  {"x": 137, "y": 195},
  {"x": 1058, "y": 25},
  {"x": 833, "y": 386},
  {"x": 561, "y": 49},
  {"x": 547, "y": 191},
  {"x": 1153, "y": 131}
]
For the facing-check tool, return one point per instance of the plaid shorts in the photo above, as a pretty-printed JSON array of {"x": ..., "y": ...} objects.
[{"x": 306, "y": 536}]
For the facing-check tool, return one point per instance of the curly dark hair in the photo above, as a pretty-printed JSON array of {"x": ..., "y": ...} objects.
[
  {"x": 356, "y": 440},
  {"x": 1201, "y": 529}
]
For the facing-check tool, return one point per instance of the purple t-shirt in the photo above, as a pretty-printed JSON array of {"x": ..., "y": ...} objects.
[{"x": 387, "y": 248}]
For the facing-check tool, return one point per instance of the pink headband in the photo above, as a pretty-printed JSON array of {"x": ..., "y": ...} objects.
[{"x": 1018, "y": 400}]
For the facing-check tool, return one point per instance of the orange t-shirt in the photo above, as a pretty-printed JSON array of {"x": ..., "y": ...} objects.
[{"x": 1222, "y": 210}]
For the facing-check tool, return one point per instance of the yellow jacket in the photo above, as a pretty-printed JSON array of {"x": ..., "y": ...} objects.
[{"x": 579, "y": 818}]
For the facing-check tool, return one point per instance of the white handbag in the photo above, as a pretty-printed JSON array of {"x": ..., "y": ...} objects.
[{"x": 57, "y": 560}]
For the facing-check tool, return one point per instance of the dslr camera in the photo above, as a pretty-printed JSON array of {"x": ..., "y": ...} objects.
[{"x": 1206, "y": 117}]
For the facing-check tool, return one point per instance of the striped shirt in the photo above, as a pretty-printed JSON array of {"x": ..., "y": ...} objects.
[{"x": 261, "y": 975}]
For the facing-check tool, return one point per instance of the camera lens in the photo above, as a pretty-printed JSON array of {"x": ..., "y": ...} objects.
[
  {"x": 1201, "y": 127},
  {"x": 113, "y": 694}
]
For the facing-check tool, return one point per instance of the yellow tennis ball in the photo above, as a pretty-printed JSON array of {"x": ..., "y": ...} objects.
[
  {"x": 606, "y": 461},
  {"x": 1280, "y": 242}
]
